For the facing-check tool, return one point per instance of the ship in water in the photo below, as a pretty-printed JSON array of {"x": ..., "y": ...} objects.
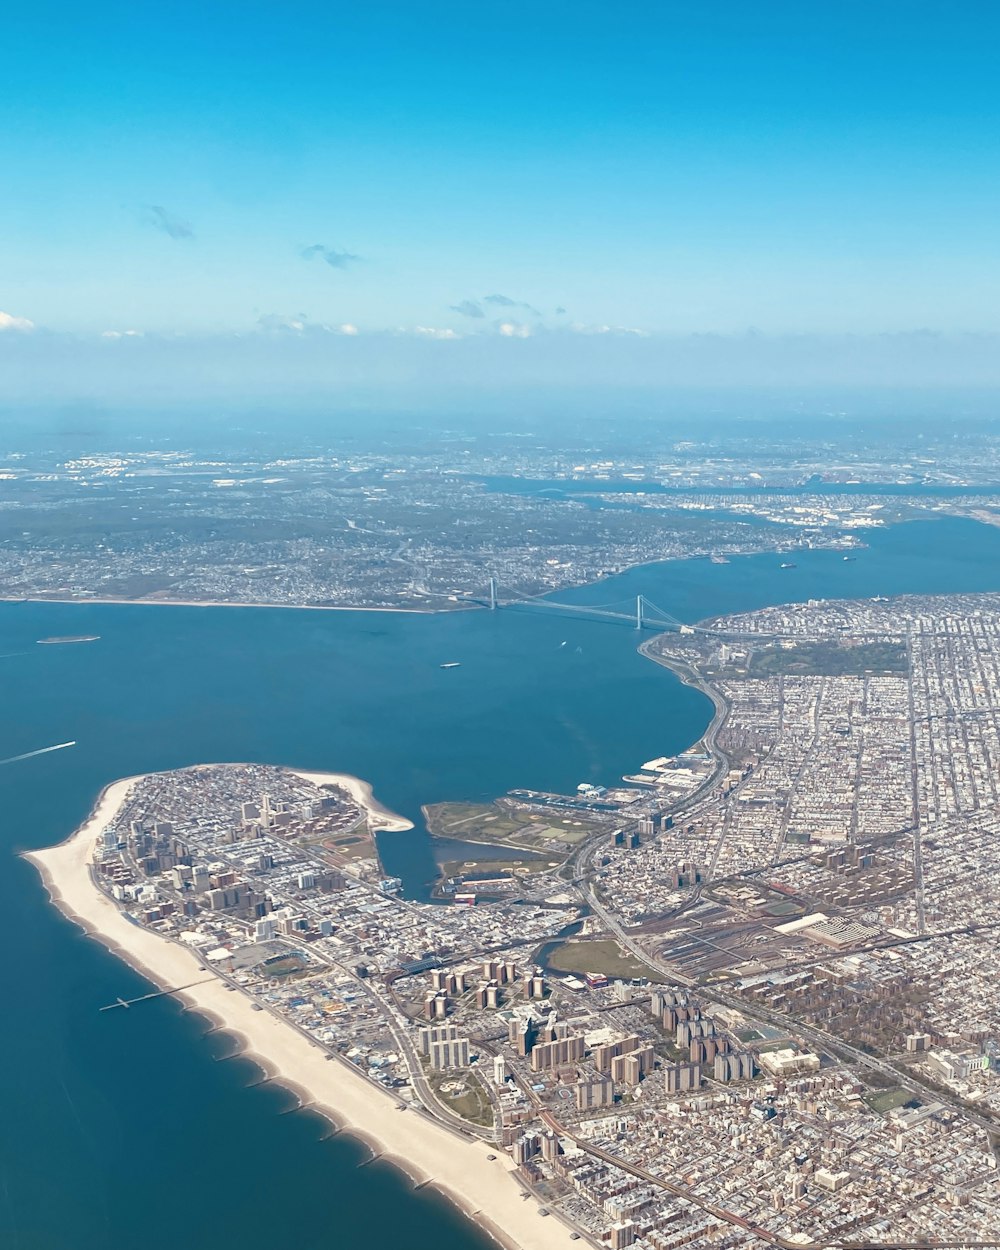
[
  {"x": 786, "y": 564},
  {"x": 452, "y": 664},
  {"x": 849, "y": 559}
]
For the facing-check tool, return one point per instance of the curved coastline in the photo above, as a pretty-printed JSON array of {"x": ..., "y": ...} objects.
[
  {"x": 429, "y": 1153},
  {"x": 379, "y": 816},
  {"x": 720, "y": 714}
]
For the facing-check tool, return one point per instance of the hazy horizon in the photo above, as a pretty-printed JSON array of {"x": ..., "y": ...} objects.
[
  {"x": 388, "y": 370},
  {"x": 395, "y": 198}
]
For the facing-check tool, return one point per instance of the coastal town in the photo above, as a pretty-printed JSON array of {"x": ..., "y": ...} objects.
[
  {"x": 740, "y": 997},
  {"x": 500, "y": 626},
  {"x": 295, "y": 523}
]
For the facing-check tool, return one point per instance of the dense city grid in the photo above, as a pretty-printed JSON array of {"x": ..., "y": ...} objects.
[{"x": 775, "y": 1021}]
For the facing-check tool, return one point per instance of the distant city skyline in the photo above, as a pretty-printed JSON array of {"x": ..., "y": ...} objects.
[{"x": 439, "y": 173}]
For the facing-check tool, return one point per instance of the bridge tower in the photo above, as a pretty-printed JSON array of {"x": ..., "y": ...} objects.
[
  {"x": 493, "y": 594},
  {"x": 639, "y": 605}
]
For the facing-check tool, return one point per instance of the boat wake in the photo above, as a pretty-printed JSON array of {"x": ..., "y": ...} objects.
[{"x": 16, "y": 759}]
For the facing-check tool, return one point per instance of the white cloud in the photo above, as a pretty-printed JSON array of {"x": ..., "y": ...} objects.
[
  {"x": 580, "y": 328},
  {"x": 278, "y": 323},
  {"x": 275, "y": 323},
  {"x": 121, "y": 334},
  {"x": 430, "y": 332},
  {"x": 511, "y": 330},
  {"x": 9, "y": 322}
]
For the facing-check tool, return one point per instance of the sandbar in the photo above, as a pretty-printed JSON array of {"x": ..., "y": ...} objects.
[
  {"x": 486, "y": 1190},
  {"x": 379, "y": 817}
]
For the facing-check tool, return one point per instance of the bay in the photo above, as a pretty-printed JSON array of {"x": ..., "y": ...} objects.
[{"x": 132, "y": 1128}]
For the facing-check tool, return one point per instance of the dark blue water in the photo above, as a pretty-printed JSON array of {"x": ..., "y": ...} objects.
[
  {"x": 947, "y": 556},
  {"x": 124, "y": 1128}
]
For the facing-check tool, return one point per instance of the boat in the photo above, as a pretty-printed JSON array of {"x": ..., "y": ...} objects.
[
  {"x": 452, "y": 664},
  {"x": 849, "y": 559},
  {"x": 786, "y": 564}
]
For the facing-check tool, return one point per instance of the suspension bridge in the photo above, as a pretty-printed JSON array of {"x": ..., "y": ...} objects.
[{"x": 639, "y": 612}]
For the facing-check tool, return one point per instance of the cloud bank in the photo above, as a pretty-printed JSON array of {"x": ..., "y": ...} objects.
[{"x": 293, "y": 357}]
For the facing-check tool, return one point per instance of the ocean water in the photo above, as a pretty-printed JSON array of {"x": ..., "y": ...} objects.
[{"x": 131, "y": 1128}]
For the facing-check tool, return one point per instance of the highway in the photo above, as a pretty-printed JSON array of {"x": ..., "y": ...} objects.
[{"x": 818, "y": 1037}]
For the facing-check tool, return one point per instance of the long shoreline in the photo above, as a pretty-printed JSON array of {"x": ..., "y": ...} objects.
[
  {"x": 79, "y": 600},
  {"x": 689, "y": 676},
  {"x": 443, "y": 610},
  {"x": 429, "y": 1153}
]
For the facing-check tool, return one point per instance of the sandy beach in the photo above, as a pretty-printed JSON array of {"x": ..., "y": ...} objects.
[
  {"x": 429, "y": 1153},
  {"x": 379, "y": 817}
]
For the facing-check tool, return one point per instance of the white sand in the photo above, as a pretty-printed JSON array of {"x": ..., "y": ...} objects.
[
  {"x": 420, "y": 1146},
  {"x": 379, "y": 817}
]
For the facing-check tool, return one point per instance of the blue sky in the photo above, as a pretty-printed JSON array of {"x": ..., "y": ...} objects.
[{"x": 667, "y": 168}]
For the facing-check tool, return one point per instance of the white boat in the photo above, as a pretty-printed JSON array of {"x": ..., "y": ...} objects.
[{"x": 452, "y": 664}]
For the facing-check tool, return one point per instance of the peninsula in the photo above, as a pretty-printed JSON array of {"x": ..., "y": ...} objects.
[
  {"x": 742, "y": 997},
  {"x": 465, "y": 1169}
]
